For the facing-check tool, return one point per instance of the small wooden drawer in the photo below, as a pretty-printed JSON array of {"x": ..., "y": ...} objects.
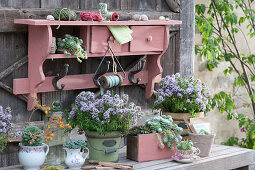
[
  {"x": 147, "y": 38},
  {"x": 99, "y": 36}
]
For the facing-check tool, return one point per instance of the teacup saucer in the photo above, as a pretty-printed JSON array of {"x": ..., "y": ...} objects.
[{"x": 180, "y": 159}]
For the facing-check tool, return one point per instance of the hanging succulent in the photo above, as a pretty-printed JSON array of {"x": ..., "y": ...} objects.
[
  {"x": 64, "y": 14},
  {"x": 72, "y": 45}
]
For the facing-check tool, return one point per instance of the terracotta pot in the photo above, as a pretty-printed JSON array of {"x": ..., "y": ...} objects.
[
  {"x": 203, "y": 142},
  {"x": 146, "y": 147}
]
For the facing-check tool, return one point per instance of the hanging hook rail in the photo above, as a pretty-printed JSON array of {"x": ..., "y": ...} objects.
[
  {"x": 59, "y": 76},
  {"x": 132, "y": 73}
]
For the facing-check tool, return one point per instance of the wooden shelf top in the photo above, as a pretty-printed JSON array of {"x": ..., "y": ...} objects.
[
  {"x": 59, "y": 56},
  {"x": 131, "y": 22}
]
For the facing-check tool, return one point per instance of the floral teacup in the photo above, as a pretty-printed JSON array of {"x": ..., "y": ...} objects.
[{"x": 192, "y": 153}]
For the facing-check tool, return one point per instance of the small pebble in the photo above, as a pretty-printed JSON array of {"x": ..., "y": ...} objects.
[
  {"x": 144, "y": 17},
  {"x": 50, "y": 18},
  {"x": 136, "y": 17},
  {"x": 161, "y": 18}
]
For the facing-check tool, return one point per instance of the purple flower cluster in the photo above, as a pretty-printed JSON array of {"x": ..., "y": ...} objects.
[
  {"x": 107, "y": 109},
  {"x": 5, "y": 120},
  {"x": 178, "y": 94}
]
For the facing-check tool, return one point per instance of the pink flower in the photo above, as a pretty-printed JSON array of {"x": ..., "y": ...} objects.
[{"x": 242, "y": 129}]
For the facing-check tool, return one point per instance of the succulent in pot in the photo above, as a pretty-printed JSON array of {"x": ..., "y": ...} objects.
[
  {"x": 155, "y": 140},
  {"x": 186, "y": 149},
  {"x": 32, "y": 154},
  {"x": 72, "y": 45},
  {"x": 75, "y": 153},
  {"x": 103, "y": 119}
]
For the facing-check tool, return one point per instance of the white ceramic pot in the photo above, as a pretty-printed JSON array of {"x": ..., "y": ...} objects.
[
  {"x": 32, "y": 157},
  {"x": 74, "y": 158}
]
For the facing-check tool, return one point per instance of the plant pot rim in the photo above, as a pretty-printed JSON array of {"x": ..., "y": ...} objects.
[
  {"x": 71, "y": 149},
  {"x": 212, "y": 134},
  {"x": 95, "y": 134},
  {"x": 21, "y": 145},
  {"x": 181, "y": 113}
]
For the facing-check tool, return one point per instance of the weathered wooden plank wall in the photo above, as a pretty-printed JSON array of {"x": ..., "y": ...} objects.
[{"x": 13, "y": 46}]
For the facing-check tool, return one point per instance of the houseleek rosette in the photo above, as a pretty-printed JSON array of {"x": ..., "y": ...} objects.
[{"x": 72, "y": 45}]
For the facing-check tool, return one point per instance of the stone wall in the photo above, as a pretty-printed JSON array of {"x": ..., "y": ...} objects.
[{"x": 217, "y": 82}]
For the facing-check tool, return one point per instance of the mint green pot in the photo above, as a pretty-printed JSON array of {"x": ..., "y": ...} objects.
[{"x": 103, "y": 147}]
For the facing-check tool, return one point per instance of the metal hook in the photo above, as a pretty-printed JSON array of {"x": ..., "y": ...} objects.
[
  {"x": 132, "y": 73},
  {"x": 97, "y": 75},
  {"x": 60, "y": 76}
]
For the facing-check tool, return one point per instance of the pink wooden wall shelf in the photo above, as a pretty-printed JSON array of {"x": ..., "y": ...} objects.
[{"x": 150, "y": 38}]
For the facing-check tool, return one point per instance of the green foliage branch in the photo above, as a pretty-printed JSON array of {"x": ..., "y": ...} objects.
[{"x": 219, "y": 25}]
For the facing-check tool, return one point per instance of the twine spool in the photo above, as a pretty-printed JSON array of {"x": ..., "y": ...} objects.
[
  {"x": 108, "y": 82},
  {"x": 102, "y": 8}
]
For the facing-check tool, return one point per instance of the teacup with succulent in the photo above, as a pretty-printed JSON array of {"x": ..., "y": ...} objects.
[{"x": 186, "y": 151}]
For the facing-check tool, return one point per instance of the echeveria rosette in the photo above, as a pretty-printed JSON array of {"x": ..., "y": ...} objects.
[
  {"x": 105, "y": 114},
  {"x": 182, "y": 95}
]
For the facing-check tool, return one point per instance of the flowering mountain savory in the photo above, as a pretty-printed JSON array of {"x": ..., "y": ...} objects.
[
  {"x": 182, "y": 95},
  {"x": 109, "y": 113},
  {"x": 6, "y": 127}
]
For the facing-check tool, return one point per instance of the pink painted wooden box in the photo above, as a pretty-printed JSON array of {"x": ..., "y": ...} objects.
[{"x": 146, "y": 148}]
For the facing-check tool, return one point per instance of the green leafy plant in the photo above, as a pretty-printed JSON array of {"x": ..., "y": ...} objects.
[
  {"x": 75, "y": 145},
  {"x": 161, "y": 125},
  {"x": 72, "y": 45},
  {"x": 32, "y": 136},
  {"x": 219, "y": 25},
  {"x": 182, "y": 95},
  {"x": 185, "y": 145}
]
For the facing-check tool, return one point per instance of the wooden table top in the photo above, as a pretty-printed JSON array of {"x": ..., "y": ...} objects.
[{"x": 221, "y": 158}]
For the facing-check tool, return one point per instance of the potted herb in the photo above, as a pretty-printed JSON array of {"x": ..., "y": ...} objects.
[
  {"x": 6, "y": 127},
  {"x": 104, "y": 120},
  {"x": 182, "y": 97},
  {"x": 32, "y": 154},
  {"x": 74, "y": 150},
  {"x": 155, "y": 140}
]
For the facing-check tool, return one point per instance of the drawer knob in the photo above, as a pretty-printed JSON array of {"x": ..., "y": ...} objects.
[{"x": 149, "y": 38}]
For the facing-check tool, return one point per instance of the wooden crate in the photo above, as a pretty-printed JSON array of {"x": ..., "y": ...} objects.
[{"x": 146, "y": 148}]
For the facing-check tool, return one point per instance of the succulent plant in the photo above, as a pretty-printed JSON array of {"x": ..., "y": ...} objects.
[
  {"x": 185, "y": 145},
  {"x": 170, "y": 133},
  {"x": 72, "y": 45},
  {"x": 75, "y": 145},
  {"x": 32, "y": 136}
]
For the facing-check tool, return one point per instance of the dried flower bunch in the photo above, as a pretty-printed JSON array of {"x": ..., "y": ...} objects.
[
  {"x": 182, "y": 95},
  {"x": 106, "y": 114}
]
